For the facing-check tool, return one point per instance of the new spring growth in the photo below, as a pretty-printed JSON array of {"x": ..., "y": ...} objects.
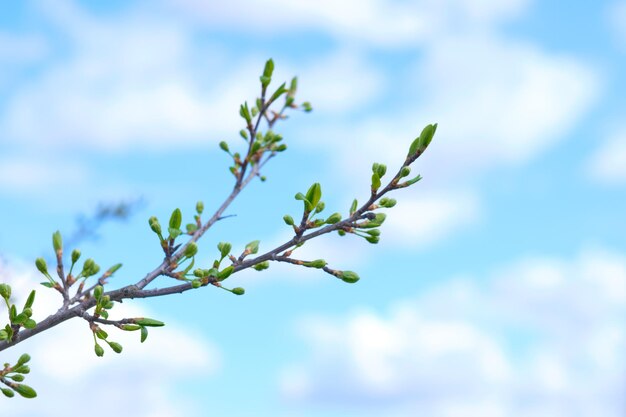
[
  {"x": 199, "y": 207},
  {"x": 57, "y": 243},
  {"x": 348, "y": 276},
  {"x": 266, "y": 78},
  {"x": 191, "y": 250}
]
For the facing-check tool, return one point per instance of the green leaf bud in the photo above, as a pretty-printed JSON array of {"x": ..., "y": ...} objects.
[
  {"x": 75, "y": 255},
  {"x": 143, "y": 321},
  {"x": 333, "y": 218},
  {"x": 306, "y": 106},
  {"x": 24, "y": 390},
  {"x": 314, "y": 194},
  {"x": 196, "y": 283},
  {"x": 99, "y": 350},
  {"x": 225, "y": 273},
  {"x": 254, "y": 111},
  {"x": 281, "y": 148},
  {"x": 30, "y": 300},
  {"x": 288, "y": 220},
  {"x": 318, "y": 263},
  {"x": 252, "y": 247},
  {"x": 97, "y": 292},
  {"x": 155, "y": 225},
  {"x": 199, "y": 207},
  {"x": 387, "y": 202},
  {"x": 243, "y": 133},
  {"x": 261, "y": 266},
  {"x": 238, "y": 291},
  {"x": 7, "y": 392},
  {"x": 320, "y": 207},
  {"x": 57, "y": 242},
  {"x": 130, "y": 327},
  {"x": 144, "y": 334},
  {"x": 17, "y": 377},
  {"x": 224, "y": 248},
  {"x": 293, "y": 87},
  {"x": 174, "y": 233},
  {"x": 341, "y": 232},
  {"x": 176, "y": 219},
  {"x": 25, "y": 358},
  {"x": 101, "y": 334},
  {"x": 41, "y": 265},
  {"x": 353, "y": 206},
  {"x": 405, "y": 171},
  {"x": 29, "y": 324},
  {"x": 307, "y": 204},
  {"x": 22, "y": 369},
  {"x": 279, "y": 92},
  {"x": 113, "y": 269},
  {"x": 5, "y": 289},
  {"x": 191, "y": 228},
  {"x": 375, "y": 181},
  {"x": 116, "y": 347},
  {"x": 373, "y": 239},
  {"x": 348, "y": 276},
  {"x": 245, "y": 112},
  {"x": 224, "y": 146},
  {"x": 191, "y": 250}
]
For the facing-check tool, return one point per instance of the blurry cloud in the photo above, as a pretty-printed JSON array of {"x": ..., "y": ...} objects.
[
  {"x": 430, "y": 217},
  {"x": 616, "y": 18},
  {"x": 66, "y": 371},
  {"x": 28, "y": 175},
  {"x": 608, "y": 163},
  {"x": 540, "y": 337},
  {"x": 375, "y": 22}
]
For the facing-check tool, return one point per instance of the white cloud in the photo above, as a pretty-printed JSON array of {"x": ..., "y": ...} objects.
[
  {"x": 380, "y": 23},
  {"x": 608, "y": 163},
  {"x": 541, "y": 337},
  {"x": 27, "y": 175},
  {"x": 142, "y": 379},
  {"x": 429, "y": 217}
]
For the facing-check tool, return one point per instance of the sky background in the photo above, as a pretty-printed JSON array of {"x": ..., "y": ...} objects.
[{"x": 499, "y": 285}]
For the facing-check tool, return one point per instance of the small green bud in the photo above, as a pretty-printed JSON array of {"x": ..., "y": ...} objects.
[
  {"x": 341, "y": 232},
  {"x": 22, "y": 369},
  {"x": 176, "y": 219},
  {"x": 373, "y": 239},
  {"x": 191, "y": 228},
  {"x": 143, "y": 321},
  {"x": 5, "y": 289},
  {"x": 224, "y": 146},
  {"x": 7, "y": 392},
  {"x": 224, "y": 248},
  {"x": 57, "y": 242},
  {"x": 196, "y": 283},
  {"x": 252, "y": 247},
  {"x": 243, "y": 133},
  {"x": 97, "y": 292},
  {"x": 191, "y": 249},
  {"x": 238, "y": 291},
  {"x": 75, "y": 255},
  {"x": 155, "y": 225},
  {"x": 116, "y": 347},
  {"x": 101, "y": 334},
  {"x": 405, "y": 171},
  {"x": 353, "y": 206},
  {"x": 29, "y": 324},
  {"x": 225, "y": 273},
  {"x": 199, "y": 272},
  {"x": 261, "y": 266},
  {"x": 281, "y": 148},
  {"x": 41, "y": 265},
  {"x": 25, "y": 358},
  {"x": 17, "y": 377},
  {"x": 99, "y": 350},
  {"x": 387, "y": 202},
  {"x": 288, "y": 220},
  {"x": 318, "y": 263},
  {"x": 130, "y": 327},
  {"x": 307, "y": 204},
  {"x": 199, "y": 207},
  {"x": 113, "y": 269},
  {"x": 349, "y": 276},
  {"x": 320, "y": 207},
  {"x": 306, "y": 106},
  {"x": 333, "y": 218},
  {"x": 24, "y": 390}
]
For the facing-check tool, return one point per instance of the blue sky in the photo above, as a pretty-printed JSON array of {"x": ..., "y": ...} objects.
[{"x": 499, "y": 284}]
